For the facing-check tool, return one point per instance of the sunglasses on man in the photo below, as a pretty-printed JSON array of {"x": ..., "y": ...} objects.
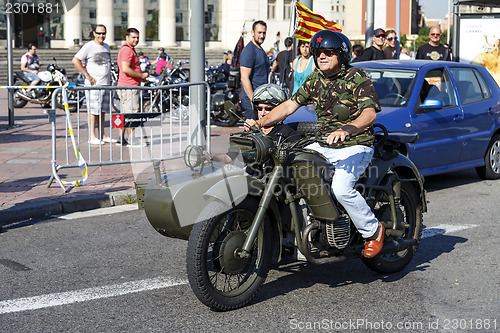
[{"x": 326, "y": 52}]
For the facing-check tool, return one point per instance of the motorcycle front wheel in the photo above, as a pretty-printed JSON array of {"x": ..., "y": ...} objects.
[
  {"x": 217, "y": 275},
  {"x": 409, "y": 216},
  {"x": 72, "y": 101}
]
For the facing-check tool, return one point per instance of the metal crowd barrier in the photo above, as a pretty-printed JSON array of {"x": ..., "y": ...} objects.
[{"x": 162, "y": 128}]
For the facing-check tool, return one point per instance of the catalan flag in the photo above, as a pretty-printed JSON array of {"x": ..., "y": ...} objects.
[{"x": 310, "y": 23}]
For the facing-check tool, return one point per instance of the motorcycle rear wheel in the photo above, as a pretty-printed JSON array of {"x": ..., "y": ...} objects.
[
  {"x": 218, "y": 278},
  {"x": 410, "y": 222},
  {"x": 18, "y": 101}
]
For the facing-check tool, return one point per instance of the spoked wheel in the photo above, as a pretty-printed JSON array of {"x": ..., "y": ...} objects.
[
  {"x": 409, "y": 216},
  {"x": 153, "y": 107},
  {"x": 72, "y": 101},
  {"x": 218, "y": 276}
]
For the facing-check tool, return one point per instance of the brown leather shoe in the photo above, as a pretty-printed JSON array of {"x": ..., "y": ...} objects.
[{"x": 375, "y": 242}]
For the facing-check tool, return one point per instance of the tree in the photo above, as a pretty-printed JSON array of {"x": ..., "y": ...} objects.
[{"x": 423, "y": 37}]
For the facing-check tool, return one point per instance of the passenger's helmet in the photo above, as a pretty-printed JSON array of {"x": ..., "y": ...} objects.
[
  {"x": 268, "y": 93},
  {"x": 332, "y": 40}
]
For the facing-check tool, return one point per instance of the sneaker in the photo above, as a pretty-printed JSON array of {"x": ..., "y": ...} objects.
[
  {"x": 122, "y": 142},
  {"x": 136, "y": 142},
  {"x": 108, "y": 140},
  {"x": 96, "y": 141}
]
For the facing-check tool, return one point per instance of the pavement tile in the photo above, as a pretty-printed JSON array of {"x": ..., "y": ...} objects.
[{"x": 25, "y": 165}]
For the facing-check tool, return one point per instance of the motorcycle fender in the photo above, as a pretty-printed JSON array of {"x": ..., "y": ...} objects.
[
  {"x": 405, "y": 169},
  {"x": 173, "y": 206},
  {"x": 232, "y": 190}
]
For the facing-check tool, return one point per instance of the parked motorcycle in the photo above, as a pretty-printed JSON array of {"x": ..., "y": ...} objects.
[
  {"x": 240, "y": 221},
  {"x": 179, "y": 72},
  {"x": 224, "y": 86},
  {"x": 175, "y": 101},
  {"x": 53, "y": 76}
]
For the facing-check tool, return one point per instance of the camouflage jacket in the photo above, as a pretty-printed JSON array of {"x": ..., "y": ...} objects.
[{"x": 352, "y": 87}]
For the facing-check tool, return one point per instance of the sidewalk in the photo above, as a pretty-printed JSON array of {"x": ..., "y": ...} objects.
[{"x": 25, "y": 168}]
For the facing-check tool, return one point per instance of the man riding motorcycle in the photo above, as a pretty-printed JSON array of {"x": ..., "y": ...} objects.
[
  {"x": 348, "y": 142},
  {"x": 30, "y": 65},
  {"x": 265, "y": 98}
]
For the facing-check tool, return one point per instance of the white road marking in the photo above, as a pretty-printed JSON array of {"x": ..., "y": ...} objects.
[
  {"x": 444, "y": 229},
  {"x": 49, "y": 300},
  {"x": 98, "y": 212}
]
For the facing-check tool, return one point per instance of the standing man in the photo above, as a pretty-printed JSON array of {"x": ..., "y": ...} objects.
[
  {"x": 434, "y": 50},
  {"x": 97, "y": 71},
  {"x": 130, "y": 74},
  {"x": 254, "y": 67},
  {"x": 30, "y": 64},
  {"x": 374, "y": 52},
  {"x": 283, "y": 64},
  {"x": 349, "y": 143}
]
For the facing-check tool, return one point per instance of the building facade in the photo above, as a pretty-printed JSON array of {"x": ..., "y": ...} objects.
[{"x": 166, "y": 22}]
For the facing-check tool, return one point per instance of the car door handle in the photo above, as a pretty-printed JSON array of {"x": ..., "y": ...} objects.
[
  {"x": 490, "y": 111},
  {"x": 458, "y": 117}
]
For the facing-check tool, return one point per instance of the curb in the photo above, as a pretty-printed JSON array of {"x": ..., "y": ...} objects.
[{"x": 45, "y": 208}]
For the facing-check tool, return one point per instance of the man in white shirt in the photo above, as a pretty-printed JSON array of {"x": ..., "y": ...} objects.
[
  {"x": 30, "y": 64},
  {"x": 96, "y": 54}
]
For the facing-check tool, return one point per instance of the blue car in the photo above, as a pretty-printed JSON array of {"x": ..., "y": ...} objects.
[{"x": 454, "y": 107}]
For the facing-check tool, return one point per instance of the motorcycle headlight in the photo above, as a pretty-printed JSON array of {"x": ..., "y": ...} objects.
[
  {"x": 193, "y": 156},
  {"x": 255, "y": 148}
]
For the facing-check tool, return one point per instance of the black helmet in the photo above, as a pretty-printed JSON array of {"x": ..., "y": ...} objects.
[{"x": 332, "y": 40}]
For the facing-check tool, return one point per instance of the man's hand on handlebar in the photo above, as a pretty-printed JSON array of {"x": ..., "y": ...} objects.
[
  {"x": 338, "y": 136},
  {"x": 251, "y": 125}
]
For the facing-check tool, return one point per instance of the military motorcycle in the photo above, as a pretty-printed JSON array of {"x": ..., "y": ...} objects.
[
  {"x": 53, "y": 77},
  {"x": 278, "y": 206}
]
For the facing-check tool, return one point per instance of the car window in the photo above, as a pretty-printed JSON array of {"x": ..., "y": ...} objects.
[
  {"x": 484, "y": 86},
  {"x": 437, "y": 85},
  {"x": 468, "y": 85},
  {"x": 393, "y": 87}
]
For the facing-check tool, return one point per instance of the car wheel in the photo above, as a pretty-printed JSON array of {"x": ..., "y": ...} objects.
[{"x": 491, "y": 168}]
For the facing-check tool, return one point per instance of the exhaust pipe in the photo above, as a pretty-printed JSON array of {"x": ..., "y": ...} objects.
[
  {"x": 397, "y": 246},
  {"x": 317, "y": 261}
]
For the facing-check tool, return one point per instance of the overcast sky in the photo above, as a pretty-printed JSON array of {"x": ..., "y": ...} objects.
[{"x": 435, "y": 9}]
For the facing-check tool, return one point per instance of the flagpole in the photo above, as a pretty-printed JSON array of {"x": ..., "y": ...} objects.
[{"x": 369, "y": 23}]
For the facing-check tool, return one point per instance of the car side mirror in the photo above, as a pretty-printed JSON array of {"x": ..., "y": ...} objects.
[{"x": 431, "y": 104}]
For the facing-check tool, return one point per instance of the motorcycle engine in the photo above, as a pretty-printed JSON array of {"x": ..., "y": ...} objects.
[
  {"x": 333, "y": 233},
  {"x": 338, "y": 232}
]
